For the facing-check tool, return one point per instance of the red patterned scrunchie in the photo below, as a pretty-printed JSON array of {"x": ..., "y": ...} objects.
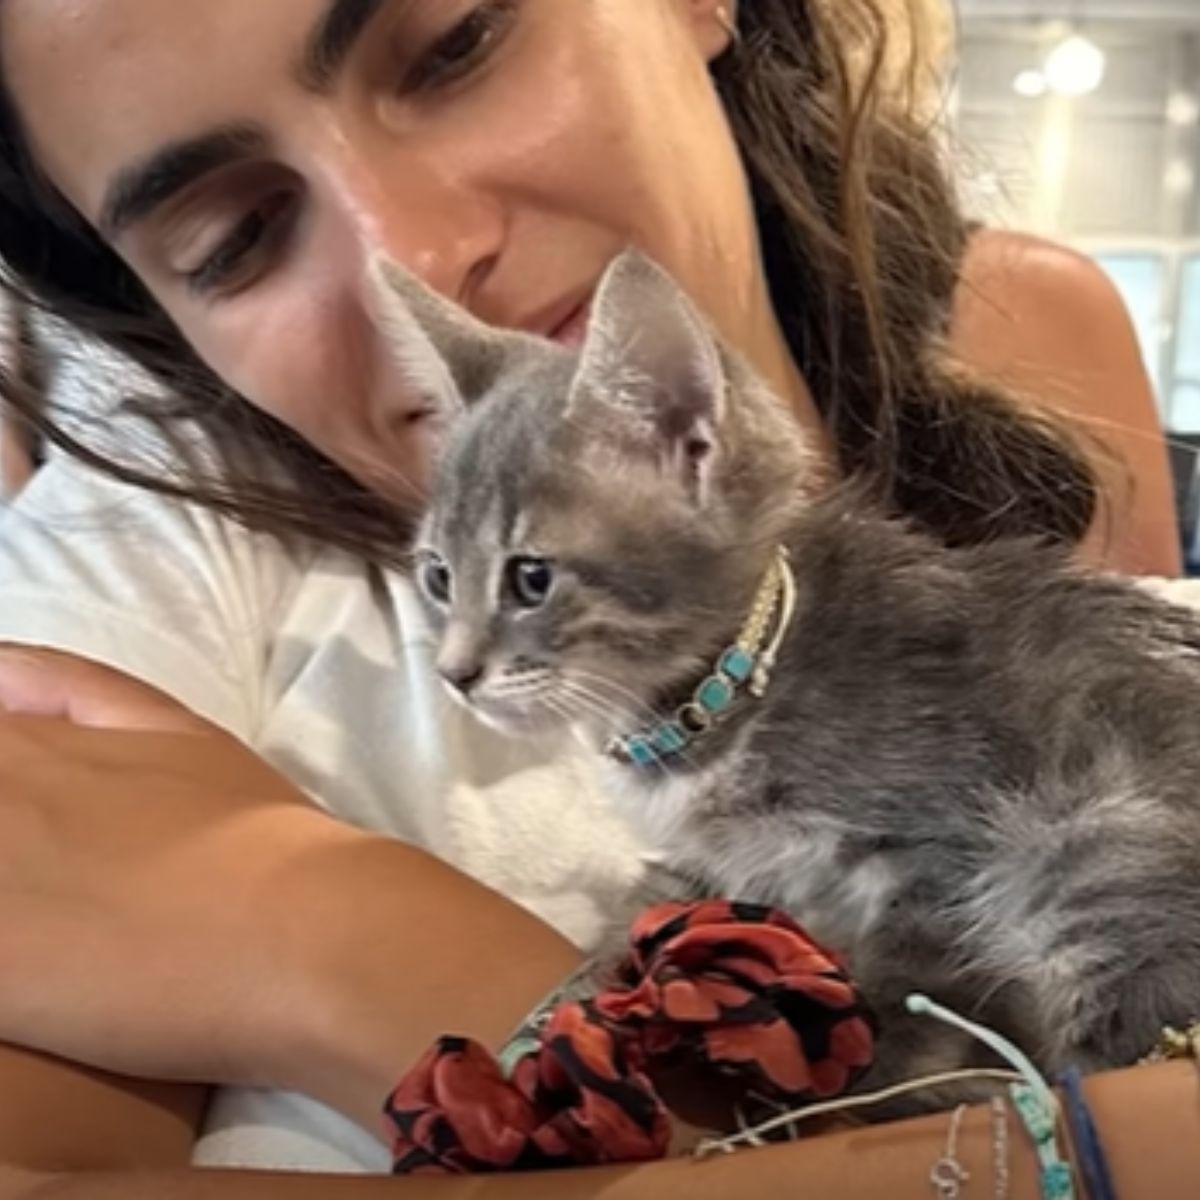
[{"x": 735, "y": 989}]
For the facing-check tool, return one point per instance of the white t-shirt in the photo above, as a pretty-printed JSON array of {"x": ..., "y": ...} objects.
[{"x": 323, "y": 667}]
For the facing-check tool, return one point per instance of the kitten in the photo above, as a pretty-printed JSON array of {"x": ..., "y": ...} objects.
[{"x": 975, "y": 772}]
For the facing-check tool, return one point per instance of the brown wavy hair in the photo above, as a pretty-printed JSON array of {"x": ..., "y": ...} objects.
[{"x": 862, "y": 238}]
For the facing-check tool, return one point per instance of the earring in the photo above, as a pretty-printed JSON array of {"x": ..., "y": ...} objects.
[{"x": 728, "y": 24}]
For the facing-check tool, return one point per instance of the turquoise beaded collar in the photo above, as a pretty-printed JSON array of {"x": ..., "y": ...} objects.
[{"x": 744, "y": 669}]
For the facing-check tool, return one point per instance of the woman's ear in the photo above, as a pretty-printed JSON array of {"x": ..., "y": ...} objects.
[{"x": 713, "y": 24}]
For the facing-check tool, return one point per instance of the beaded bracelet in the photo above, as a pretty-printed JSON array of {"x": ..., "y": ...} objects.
[
  {"x": 1000, "y": 1169},
  {"x": 1174, "y": 1044},
  {"x": 1038, "y": 1119},
  {"x": 1034, "y": 1101},
  {"x": 948, "y": 1174},
  {"x": 525, "y": 1039}
]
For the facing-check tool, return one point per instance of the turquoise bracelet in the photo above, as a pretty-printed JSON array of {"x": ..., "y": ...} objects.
[{"x": 1042, "y": 1124}]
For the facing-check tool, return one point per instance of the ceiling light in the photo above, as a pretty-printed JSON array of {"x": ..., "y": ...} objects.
[
  {"x": 1075, "y": 67},
  {"x": 1031, "y": 84},
  {"x": 1180, "y": 177},
  {"x": 1183, "y": 108}
]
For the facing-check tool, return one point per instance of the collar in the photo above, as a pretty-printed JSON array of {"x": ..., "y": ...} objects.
[{"x": 742, "y": 671}]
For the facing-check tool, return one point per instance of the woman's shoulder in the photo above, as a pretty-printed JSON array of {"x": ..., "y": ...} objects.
[
  {"x": 1006, "y": 273},
  {"x": 1049, "y": 324}
]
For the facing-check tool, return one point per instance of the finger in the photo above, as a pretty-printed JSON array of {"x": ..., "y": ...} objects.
[{"x": 37, "y": 682}]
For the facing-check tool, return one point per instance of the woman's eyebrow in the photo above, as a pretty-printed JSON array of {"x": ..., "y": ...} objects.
[
  {"x": 137, "y": 191},
  {"x": 332, "y": 39}
]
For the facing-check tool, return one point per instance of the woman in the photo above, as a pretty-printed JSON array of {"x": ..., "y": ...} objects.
[{"x": 219, "y": 928}]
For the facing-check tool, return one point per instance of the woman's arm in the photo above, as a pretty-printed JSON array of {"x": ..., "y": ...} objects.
[
  {"x": 1049, "y": 324},
  {"x": 332, "y": 961},
  {"x": 1148, "y": 1121},
  {"x": 57, "y": 1116},
  {"x": 379, "y": 949}
]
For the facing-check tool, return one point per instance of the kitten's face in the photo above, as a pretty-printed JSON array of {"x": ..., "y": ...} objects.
[
  {"x": 564, "y": 591},
  {"x": 599, "y": 522}
]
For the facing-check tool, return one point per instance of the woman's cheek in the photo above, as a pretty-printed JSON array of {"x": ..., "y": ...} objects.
[
  {"x": 317, "y": 366},
  {"x": 289, "y": 356},
  {"x": 398, "y": 466}
]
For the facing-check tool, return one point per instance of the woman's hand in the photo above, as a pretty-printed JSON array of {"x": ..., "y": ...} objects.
[
  {"x": 138, "y": 845},
  {"x": 45, "y": 683},
  {"x": 172, "y": 908}
]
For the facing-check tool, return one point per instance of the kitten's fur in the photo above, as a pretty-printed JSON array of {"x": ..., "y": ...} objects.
[{"x": 976, "y": 772}]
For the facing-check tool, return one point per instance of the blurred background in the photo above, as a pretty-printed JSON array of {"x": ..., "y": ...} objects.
[{"x": 1080, "y": 119}]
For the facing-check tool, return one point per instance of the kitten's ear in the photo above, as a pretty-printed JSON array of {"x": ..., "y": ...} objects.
[
  {"x": 448, "y": 357},
  {"x": 651, "y": 358}
]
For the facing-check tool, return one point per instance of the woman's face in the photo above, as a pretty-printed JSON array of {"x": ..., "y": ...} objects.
[{"x": 247, "y": 160}]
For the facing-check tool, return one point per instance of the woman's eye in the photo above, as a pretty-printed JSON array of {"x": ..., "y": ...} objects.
[
  {"x": 530, "y": 581},
  {"x": 435, "y": 579},
  {"x": 241, "y": 252},
  {"x": 465, "y": 46}
]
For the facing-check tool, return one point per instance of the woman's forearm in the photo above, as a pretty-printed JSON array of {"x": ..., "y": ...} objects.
[
  {"x": 197, "y": 920},
  {"x": 59, "y": 1116},
  {"x": 377, "y": 949},
  {"x": 391, "y": 949},
  {"x": 1149, "y": 1120}
]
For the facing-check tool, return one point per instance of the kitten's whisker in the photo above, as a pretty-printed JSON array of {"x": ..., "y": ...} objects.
[
  {"x": 591, "y": 703},
  {"x": 581, "y": 690},
  {"x": 654, "y": 718},
  {"x": 634, "y": 704},
  {"x": 615, "y": 713},
  {"x": 648, "y": 714},
  {"x": 558, "y": 705},
  {"x": 588, "y": 701}
]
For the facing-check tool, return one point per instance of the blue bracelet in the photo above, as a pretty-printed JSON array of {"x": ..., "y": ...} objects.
[{"x": 1093, "y": 1163}]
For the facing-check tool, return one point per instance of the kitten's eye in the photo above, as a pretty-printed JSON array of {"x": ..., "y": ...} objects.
[
  {"x": 435, "y": 579},
  {"x": 530, "y": 580}
]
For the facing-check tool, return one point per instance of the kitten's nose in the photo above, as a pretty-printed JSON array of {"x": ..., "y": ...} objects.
[{"x": 462, "y": 676}]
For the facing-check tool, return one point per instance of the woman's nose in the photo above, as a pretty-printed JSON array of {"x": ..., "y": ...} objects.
[{"x": 445, "y": 232}]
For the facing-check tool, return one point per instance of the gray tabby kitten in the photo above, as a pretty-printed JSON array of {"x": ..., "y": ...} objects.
[{"x": 974, "y": 772}]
